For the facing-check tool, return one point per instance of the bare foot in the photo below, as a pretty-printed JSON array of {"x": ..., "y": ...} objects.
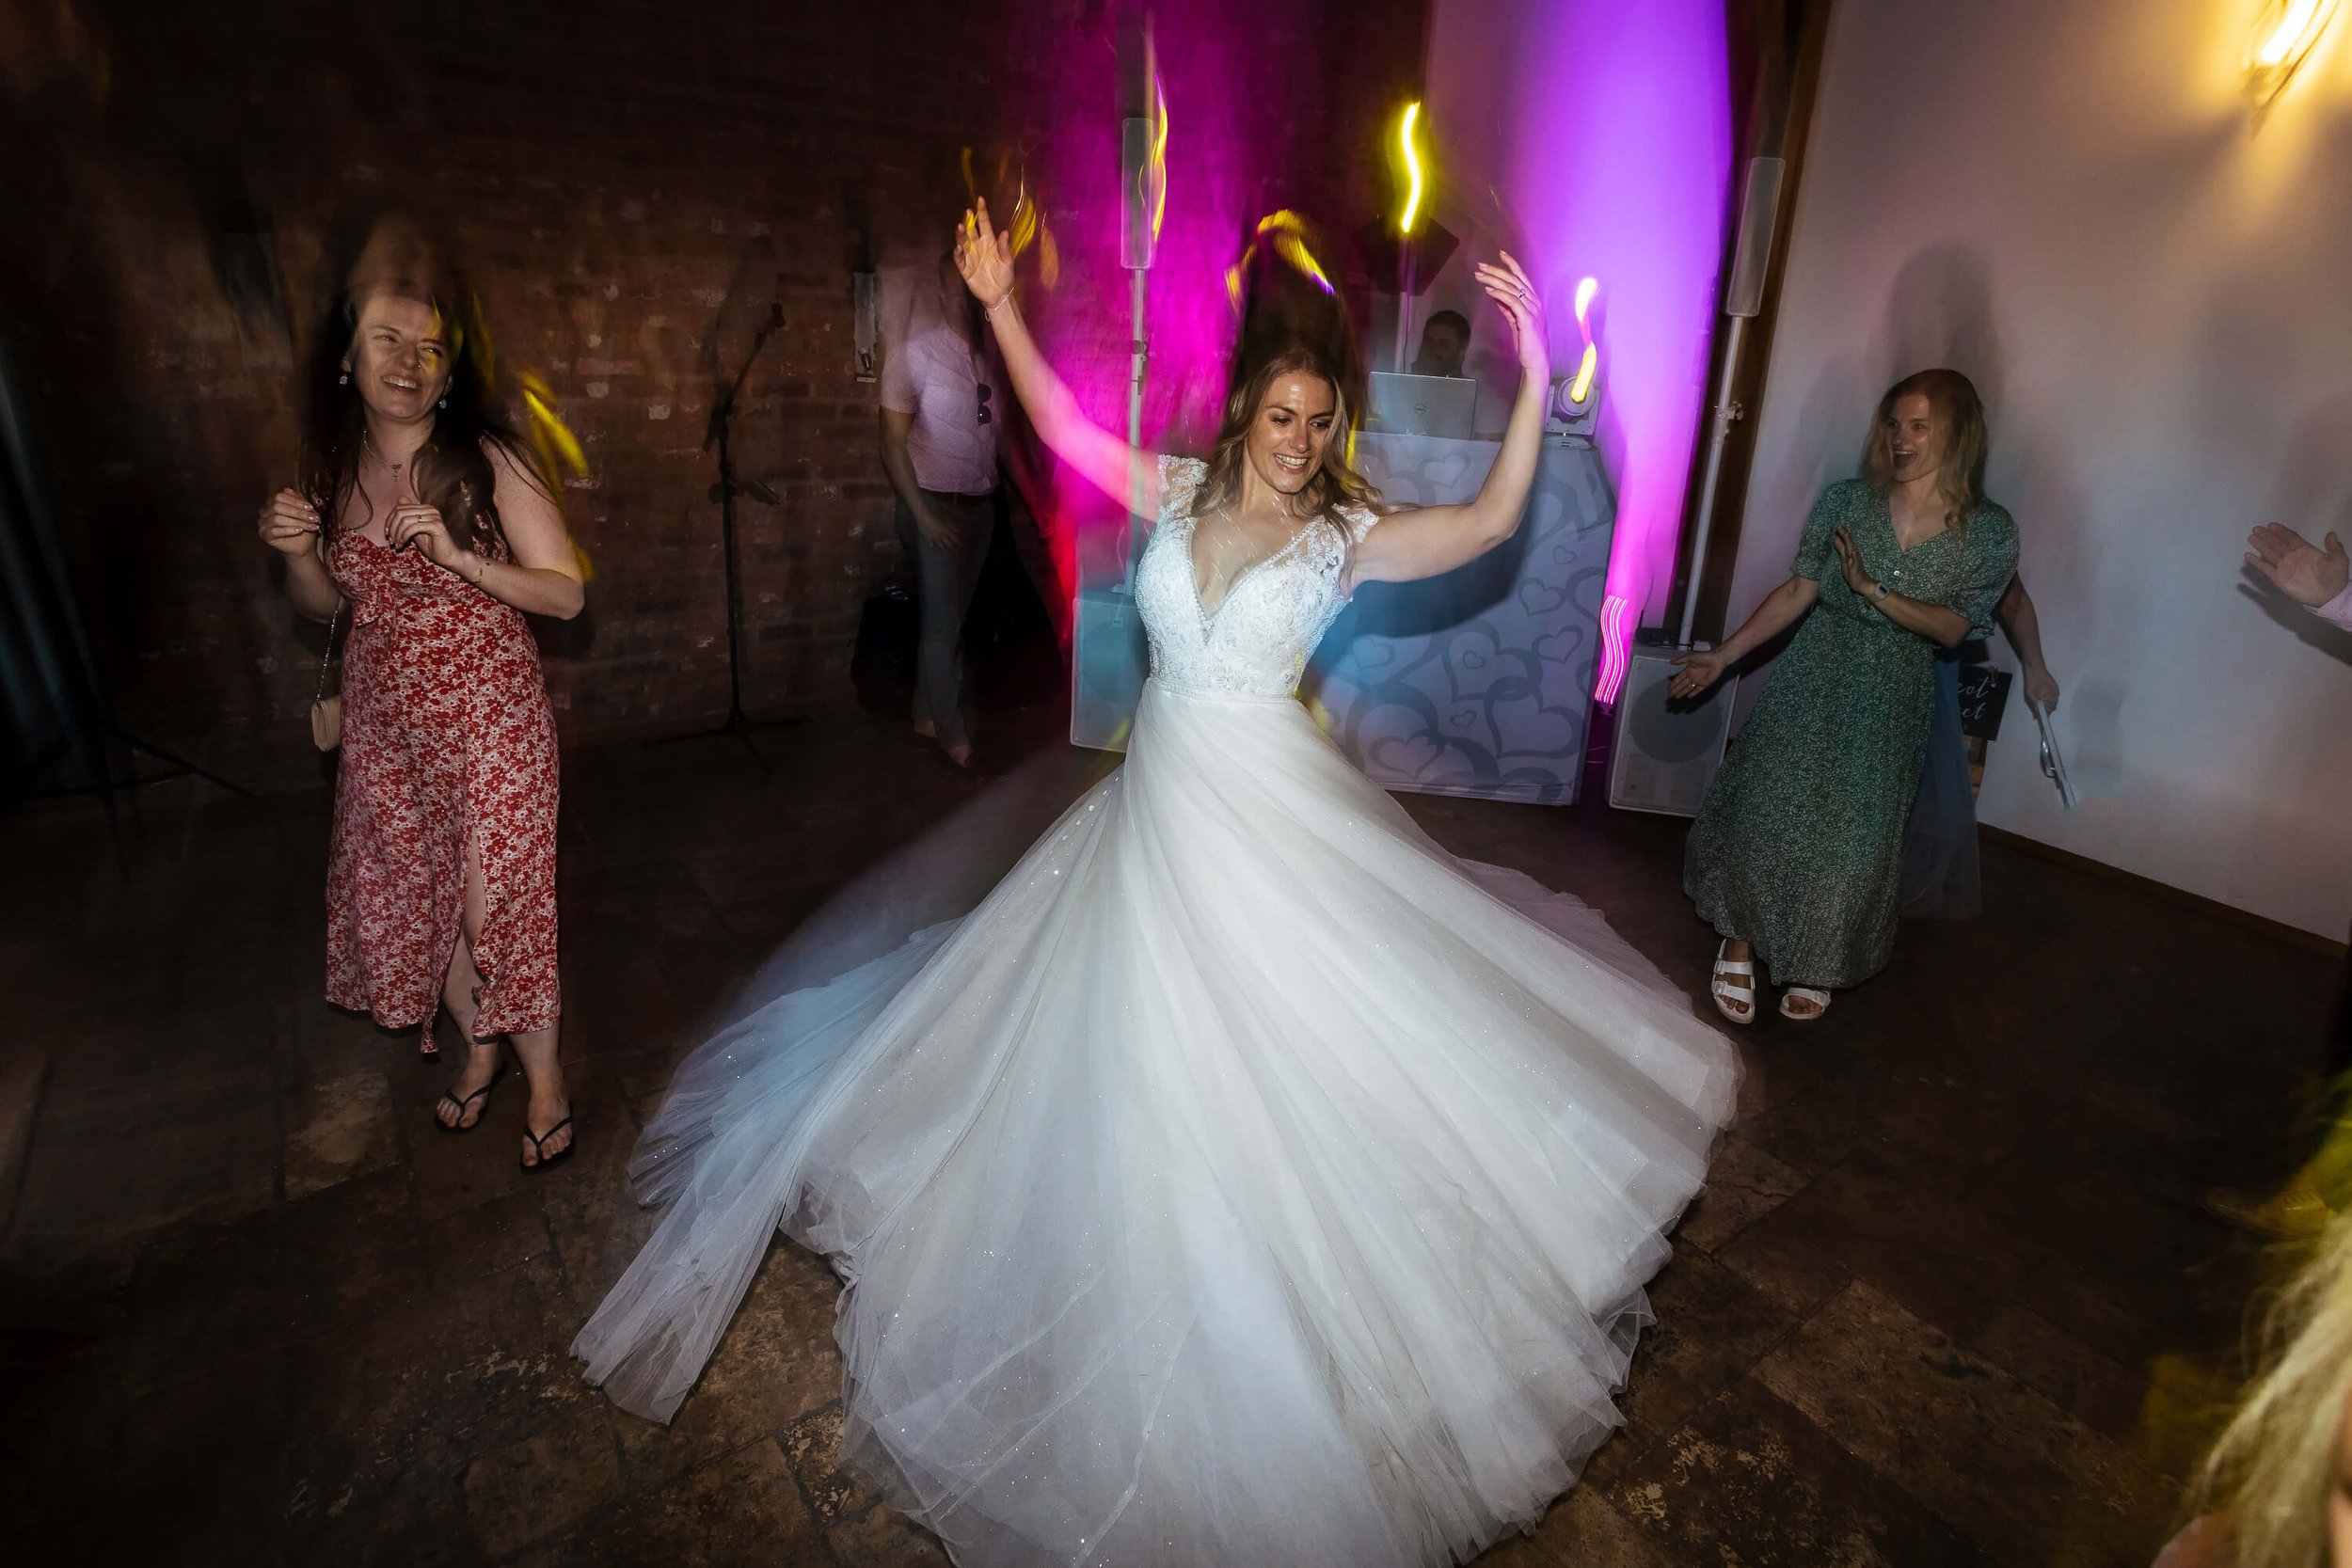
[{"x": 464, "y": 1102}]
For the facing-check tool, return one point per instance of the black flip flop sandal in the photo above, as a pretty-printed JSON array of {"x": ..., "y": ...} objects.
[
  {"x": 461, "y": 1124},
  {"x": 539, "y": 1145}
]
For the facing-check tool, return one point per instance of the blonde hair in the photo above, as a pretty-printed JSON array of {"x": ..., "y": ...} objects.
[
  {"x": 1333, "y": 485},
  {"x": 2274, "y": 1467},
  {"x": 1960, "y": 481}
]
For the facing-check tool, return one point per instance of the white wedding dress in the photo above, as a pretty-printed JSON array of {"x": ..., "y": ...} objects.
[{"x": 1246, "y": 1182}]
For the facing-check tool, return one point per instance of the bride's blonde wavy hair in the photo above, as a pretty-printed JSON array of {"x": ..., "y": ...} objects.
[
  {"x": 1335, "y": 482},
  {"x": 2273, "y": 1469}
]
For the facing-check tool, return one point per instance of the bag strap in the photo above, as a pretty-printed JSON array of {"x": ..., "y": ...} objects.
[{"x": 328, "y": 661}]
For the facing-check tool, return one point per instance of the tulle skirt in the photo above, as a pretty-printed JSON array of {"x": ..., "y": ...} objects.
[{"x": 1246, "y": 1181}]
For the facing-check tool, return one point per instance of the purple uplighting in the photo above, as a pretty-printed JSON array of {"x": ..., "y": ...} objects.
[
  {"x": 1603, "y": 133},
  {"x": 1225, "y": 110}
]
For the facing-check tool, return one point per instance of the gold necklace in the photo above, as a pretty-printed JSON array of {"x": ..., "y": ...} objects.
[{"x": 369, "y": 447}]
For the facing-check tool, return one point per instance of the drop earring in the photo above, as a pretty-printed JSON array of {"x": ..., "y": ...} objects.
[{"x": 343, "y": 380}]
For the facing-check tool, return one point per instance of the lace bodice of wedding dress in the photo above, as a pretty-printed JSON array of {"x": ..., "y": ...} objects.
[{"x": 1255, "y": 641}]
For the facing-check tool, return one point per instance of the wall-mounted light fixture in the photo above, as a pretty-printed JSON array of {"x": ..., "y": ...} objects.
[{"x": 2284, "y": 33}]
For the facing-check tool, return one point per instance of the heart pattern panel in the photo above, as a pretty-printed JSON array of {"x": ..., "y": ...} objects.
[{"x": 1479, "y": 682}]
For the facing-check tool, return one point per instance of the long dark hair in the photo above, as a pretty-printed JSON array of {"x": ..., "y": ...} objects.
[
  {"x": 451, "y": 472},
  {"x": 1334, "y": 484},
  {"x": 1960, "y": 481}
]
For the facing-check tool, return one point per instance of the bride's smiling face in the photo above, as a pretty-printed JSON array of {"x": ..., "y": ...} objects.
[{"x": 1292, "y": 427}]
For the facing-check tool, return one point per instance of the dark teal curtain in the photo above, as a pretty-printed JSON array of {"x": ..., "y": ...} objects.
[{"x": 52, "y": 719}]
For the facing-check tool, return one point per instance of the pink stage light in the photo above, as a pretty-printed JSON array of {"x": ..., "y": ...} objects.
[
  {"x": 1615, "y": 656},
  {"x": 1630, "y": 186},
  {"x": 1228, "y": 129}
]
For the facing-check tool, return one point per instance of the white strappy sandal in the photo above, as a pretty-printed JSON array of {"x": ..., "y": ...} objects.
[
  {"x": 1811, "y": 993},
  {"x": 1728, "y": 996}
]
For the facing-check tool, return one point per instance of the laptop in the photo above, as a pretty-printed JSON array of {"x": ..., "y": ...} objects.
[{"x": 1423, "y": 406}]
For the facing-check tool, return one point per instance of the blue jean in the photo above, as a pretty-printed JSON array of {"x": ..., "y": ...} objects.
[{"x": 944, "y": 578}]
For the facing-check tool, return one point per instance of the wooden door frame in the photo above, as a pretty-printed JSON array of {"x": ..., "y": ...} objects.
[{"x": 1776, "y": 49}]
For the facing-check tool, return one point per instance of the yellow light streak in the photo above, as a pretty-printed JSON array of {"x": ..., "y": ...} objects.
[
  {"x": 2284, "y": 36},
  {"x": 556, "y": 448},
  {"x": 1412, "y": 168},
  {"x": 2294, "y": 25},
  {"x": 1159, "y": 158},
  {"x": 1582, "y": 388},
  {"x": 1285, "y": 235}
]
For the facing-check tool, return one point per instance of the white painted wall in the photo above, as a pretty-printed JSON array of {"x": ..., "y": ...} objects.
[{"x": 2071, "y": 204}]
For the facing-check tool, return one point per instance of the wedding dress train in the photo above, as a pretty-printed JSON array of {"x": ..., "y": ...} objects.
[{"x": 1247, "y": 1180}]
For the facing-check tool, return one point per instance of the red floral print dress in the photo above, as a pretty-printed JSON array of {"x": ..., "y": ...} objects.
[{"x": 447, "y": 732}]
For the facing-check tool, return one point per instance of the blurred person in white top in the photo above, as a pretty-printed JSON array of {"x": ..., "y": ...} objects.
[{"x": 942, "y": 410}]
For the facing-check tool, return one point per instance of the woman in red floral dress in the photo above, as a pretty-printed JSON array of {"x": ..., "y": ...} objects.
[{"x": 441, "y": 885}]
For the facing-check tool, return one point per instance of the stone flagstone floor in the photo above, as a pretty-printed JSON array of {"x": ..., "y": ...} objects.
[{"x": 257, "y": 1311}]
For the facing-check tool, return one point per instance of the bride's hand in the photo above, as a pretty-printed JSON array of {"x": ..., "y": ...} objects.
[
  {"x": 1508, "y": 287},
  {"x": 984, "y": 257}
]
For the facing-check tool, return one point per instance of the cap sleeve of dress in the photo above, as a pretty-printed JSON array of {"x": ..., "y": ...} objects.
[
  {"x": 1180, "y": 482},
  {"x": 1832, "y": 507}
]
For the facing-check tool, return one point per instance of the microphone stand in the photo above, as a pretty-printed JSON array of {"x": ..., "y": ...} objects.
[{"x": 729, "y": 486}]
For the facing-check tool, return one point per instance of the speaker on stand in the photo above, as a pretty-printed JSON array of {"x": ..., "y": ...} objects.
[
  {"x": 1110, "y": 657},
  {"x": 1665, "y": 753}
]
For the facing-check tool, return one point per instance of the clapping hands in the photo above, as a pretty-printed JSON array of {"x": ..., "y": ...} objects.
[
  {"x": 1850, "y": 564},
  {"x": 2304, "y": 572}
]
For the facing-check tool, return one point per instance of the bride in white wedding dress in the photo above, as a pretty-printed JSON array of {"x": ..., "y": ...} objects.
[{"x": 1246, "y": 1182}]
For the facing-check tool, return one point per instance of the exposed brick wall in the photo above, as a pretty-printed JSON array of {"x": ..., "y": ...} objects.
[{"x": 630, "y": 185}]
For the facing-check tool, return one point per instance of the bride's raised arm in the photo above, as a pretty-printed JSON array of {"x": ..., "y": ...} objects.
[
  {"x": 1435, "y": 539},
  {"x": 1127, "y": 475}
]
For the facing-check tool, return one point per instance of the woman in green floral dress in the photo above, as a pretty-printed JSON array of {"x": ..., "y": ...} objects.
[{"x": 1796, "y": 857}]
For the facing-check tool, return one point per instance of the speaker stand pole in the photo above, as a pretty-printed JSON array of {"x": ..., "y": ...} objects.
[
  {"x": 1137, "y": 522},
  {"x": 1405, "y": 280},
  {"x": 1726, "y": 414}
]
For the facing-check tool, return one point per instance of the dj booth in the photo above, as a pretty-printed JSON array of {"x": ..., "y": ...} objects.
[{"x": 1476, "y": 683}]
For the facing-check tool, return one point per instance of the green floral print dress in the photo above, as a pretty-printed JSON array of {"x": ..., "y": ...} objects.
[{"x": 1799, "y": 846}]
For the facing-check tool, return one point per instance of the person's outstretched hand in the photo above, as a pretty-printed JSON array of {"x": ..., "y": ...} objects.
[
  {"x": 984, "y": 257},
  {"x": 1508, "y": 287},
  {"x": 1696, "y": 671},
  {"x": 2304, "y": 572}
]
